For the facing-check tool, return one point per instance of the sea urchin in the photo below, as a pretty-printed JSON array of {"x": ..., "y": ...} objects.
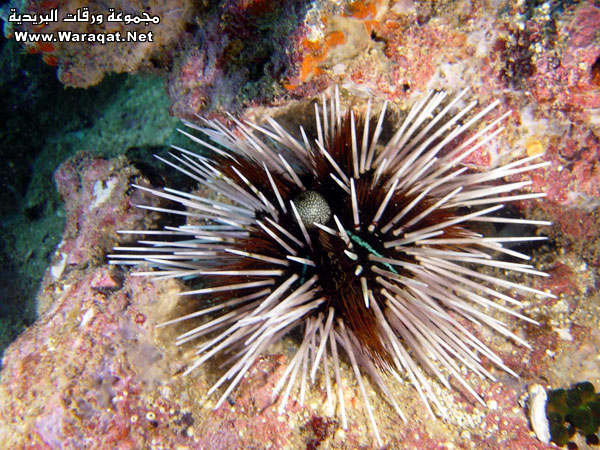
[{"x": 363, "y": 246}]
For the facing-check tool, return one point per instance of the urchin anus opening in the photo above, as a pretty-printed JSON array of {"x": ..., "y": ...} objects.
[{"x": 312, "y": 208}]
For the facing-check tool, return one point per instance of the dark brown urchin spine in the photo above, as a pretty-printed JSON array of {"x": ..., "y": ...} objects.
[{"x": 366, "y": 246}]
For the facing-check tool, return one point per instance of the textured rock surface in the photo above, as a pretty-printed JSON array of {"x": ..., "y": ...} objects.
[
  {"x": 95, "y": 372},
  {"x": 541, "y": 60},
  {"x": 84, "y": 62}
]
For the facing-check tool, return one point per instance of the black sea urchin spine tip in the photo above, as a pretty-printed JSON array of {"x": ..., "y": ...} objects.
[{"x": 367, "y": 246}]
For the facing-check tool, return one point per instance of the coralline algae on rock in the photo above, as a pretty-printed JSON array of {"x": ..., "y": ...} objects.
[{"x": 82, "y": 374}]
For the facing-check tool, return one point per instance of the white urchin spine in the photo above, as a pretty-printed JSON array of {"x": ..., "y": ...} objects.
[{"x": 412, "y": 312}]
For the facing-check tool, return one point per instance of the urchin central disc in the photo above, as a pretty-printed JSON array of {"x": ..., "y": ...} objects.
[{"x": 312, "y": 208}]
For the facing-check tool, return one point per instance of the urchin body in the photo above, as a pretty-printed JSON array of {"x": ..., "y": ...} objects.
[{"x": 367, "y": 246}]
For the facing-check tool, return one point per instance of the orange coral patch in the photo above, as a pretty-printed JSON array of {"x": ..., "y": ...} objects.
[
  {"x": 533, "y": 146},
  {"x": 363, "y": 10},
  {"x": 335, "y": 38},
  {"x": 318, "y": 52},
  {"x": 596, "y": 72},
  {"x": 51, "y": 60},
  {"x": 33, "y": 49},
  {"x": 46, "y": 47},
  {"x": 309, "y": 63},
  {"x": 312, "y": 46}
]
